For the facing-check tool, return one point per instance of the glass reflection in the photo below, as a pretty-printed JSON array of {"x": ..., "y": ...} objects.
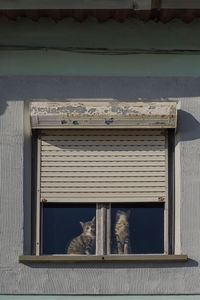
[
  {"x": 137, "y": 228},
  {"x": 69, "y": 229}
]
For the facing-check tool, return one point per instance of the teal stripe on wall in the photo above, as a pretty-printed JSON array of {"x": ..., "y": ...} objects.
[
  {"x": 127, "y": 297},
  {"x": 74, "y": 64},
  {"x": 132, "y": 34}
]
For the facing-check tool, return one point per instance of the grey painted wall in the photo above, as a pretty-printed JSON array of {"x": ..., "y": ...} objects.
[{"x": 91, "y": 278}]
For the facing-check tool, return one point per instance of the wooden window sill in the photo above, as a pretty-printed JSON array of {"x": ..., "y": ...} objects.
[{"x": 105, "y": 258}]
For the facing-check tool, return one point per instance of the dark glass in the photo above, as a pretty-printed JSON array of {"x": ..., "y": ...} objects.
[
  {"x": 139, "y": 227},
  {"x": 61, "y": 224}
]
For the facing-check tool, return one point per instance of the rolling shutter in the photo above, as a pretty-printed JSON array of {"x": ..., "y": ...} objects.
[{"x": 103, "y": 165}]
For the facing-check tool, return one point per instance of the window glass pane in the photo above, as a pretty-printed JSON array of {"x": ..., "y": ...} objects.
[
  {"x": 69, "y": 229},
  {"x": 137, "y": 228}
]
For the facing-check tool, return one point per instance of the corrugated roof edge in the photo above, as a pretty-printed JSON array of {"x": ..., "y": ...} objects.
[{"x": 102, "y": 15}]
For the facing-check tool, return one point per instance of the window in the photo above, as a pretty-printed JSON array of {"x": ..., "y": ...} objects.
[{"x": 103, "y": 192}]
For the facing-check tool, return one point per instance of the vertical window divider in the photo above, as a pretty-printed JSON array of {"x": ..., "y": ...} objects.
[
  {"x": 38, "y": 197},
  {"x": 108, "y": 228},
  {"x": 41, "y": 226},
  {"x": 171, "y": 177},
  {"x": 166, "y": 207},
  {"x": 103, "y": 226},
  {"x": 101, "y": 229}
]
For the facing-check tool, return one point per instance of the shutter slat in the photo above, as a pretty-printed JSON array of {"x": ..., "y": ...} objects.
[
  {"x": 102, "y": 148},
  {"x": 110, "y": 179},
  {"x": 111, "y": 143},
  {"x": 48, "y": 160},
  {"x": 92, "y": 184},
  {"x": 99, "y": 199},
  {"x": 98, "y": 132},
  {"x": 103, "y": 165},
  {"x": 101, "y": 140},
  {"x": 103, "y": 169},
  {"x": 101, "y": 194},
  {"x": 101, "y": 153},
  {"x": 103, "y": 174},
  {"x": 97, "y": 189}
]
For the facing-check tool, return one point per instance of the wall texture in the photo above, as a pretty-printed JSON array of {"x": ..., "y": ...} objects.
[{"x": 124, "y": 78}]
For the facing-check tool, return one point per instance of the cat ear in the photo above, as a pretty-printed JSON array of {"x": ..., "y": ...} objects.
[
  {"x": 82, "y": 224},
  {"x": 118, "y": 213},
  {"x": 93, "y": 220}
]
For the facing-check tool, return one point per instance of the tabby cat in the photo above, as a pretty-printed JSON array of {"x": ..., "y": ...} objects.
[
  {"x": 86, "y": 241},
  {"x": 122, "y": 233}
]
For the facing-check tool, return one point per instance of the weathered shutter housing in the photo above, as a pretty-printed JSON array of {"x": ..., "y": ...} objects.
[{"x": 103, "y": 114}]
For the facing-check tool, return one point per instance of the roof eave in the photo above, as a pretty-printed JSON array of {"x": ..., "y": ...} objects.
[{"x": 98, "y": 4}]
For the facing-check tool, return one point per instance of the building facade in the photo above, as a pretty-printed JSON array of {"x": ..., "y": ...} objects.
[{"x": 90, "y": 61}]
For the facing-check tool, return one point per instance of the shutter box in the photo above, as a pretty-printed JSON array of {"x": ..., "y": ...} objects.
[{"x": 103, "y": 114}]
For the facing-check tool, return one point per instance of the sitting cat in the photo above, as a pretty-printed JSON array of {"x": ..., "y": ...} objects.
[
  {"x": 122, "y": 233},
  {"x": 84, "y": 243}
]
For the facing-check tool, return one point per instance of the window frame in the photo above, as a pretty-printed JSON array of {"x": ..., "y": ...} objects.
[{"x": 103, "y": 211}]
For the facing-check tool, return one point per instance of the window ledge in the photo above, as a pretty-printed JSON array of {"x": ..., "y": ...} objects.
[{"x": 106, "y": 258}]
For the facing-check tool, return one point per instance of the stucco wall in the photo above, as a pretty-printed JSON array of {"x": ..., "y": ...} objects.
[{"x": 110, "y": 278}]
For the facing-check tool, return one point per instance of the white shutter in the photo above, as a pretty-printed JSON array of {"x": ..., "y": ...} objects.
[{"x": 99, "y": 165}]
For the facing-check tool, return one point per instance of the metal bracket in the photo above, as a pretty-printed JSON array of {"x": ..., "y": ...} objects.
[
  {"x": 44, "y": 200},
  {"x": 156, "y": 4},
  {"x": 142, "y": 4},
  {"x": 161, "y": 199}
]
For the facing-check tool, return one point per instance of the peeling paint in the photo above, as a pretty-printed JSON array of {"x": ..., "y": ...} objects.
[
  {"x": 73, "y": 108},
  {"x": 102, "y": 113},
  {"x": 92, "y": 110}
]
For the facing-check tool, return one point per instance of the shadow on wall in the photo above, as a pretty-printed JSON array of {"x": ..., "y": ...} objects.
[
  {"x": 58, "y": 88},
  {"x": 188, "y": 125},
  {"x": 110, "y": 265},
  {"x": 3, "y": 107}
]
